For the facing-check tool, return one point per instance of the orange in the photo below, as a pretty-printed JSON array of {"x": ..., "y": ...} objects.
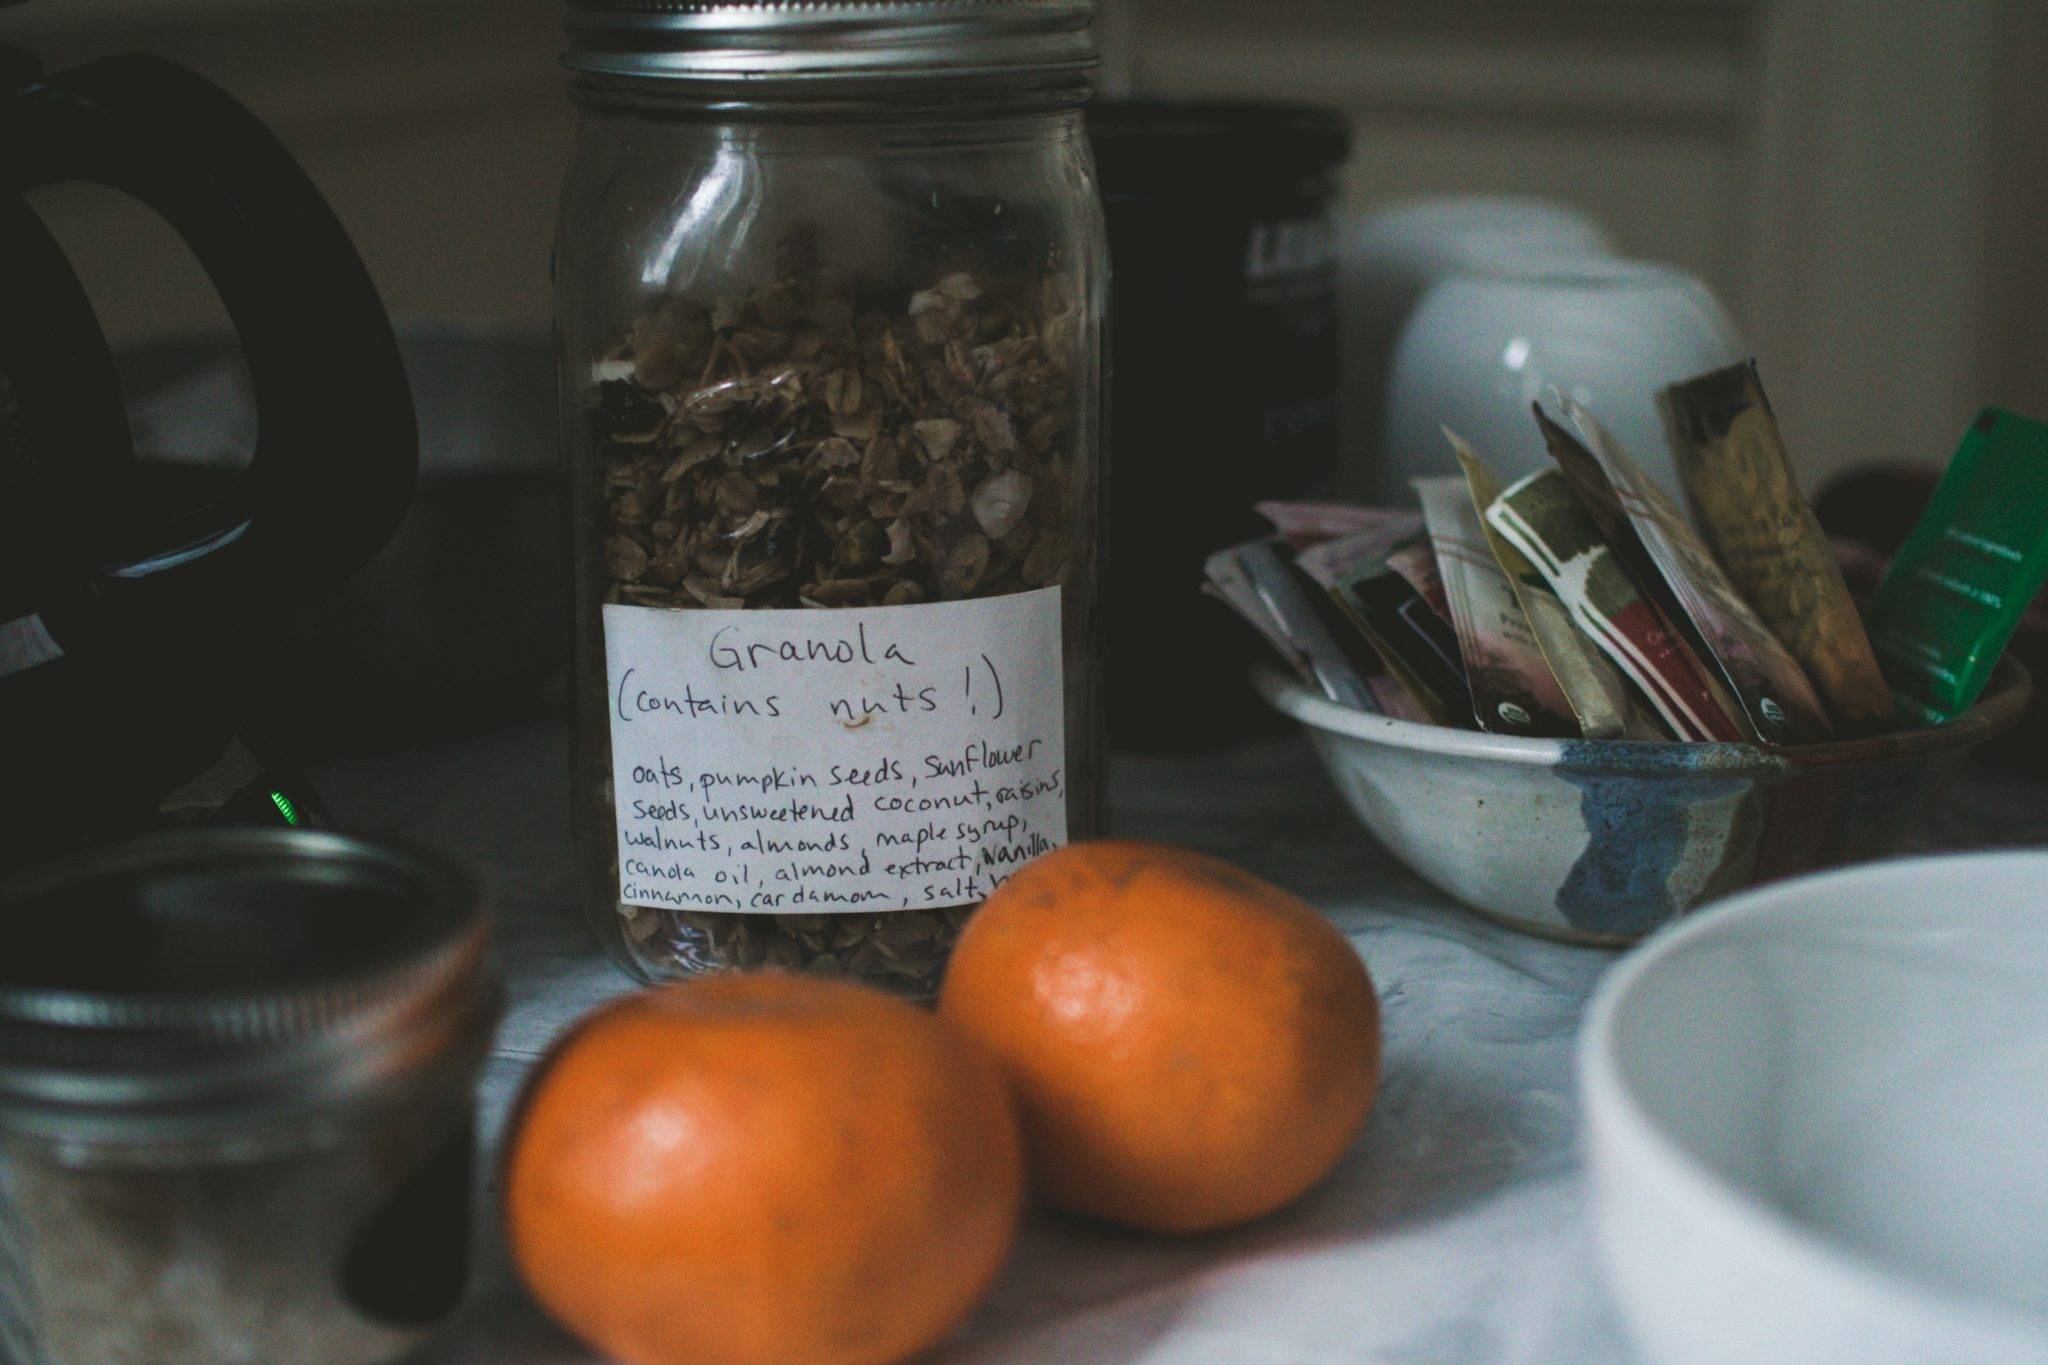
[
  {"x": 762, "y": 1167},
  {"x": 1189, "y": 1047}
]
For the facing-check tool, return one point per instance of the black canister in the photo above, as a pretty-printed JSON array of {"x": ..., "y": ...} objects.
[{"x": 1223, "y": 344}]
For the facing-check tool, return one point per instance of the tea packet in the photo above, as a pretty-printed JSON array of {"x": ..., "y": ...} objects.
[
  {"x": 1416, "y": 645},
  {"x": 1766, "y": 681},
  {"x": 1543, "y": 518},
  {"x": 1224, "y": 579},
  {"x": 1597, "y": 498},
  {"x": 1415, "y": 560},
  {"x": 1302, "y": 524},
  {"x": 1513, "y": 689},
  {"x": 1293, "y": 619},
  {"x": 1731, "y": 459},
  {"x": 1958, "y": 586},
  {"x": 1396, "y": 702},
  {"x": 1598, "y": 694},
  {"x": 1413, "y": 642},
  {"x": 1349, "y": 555}
]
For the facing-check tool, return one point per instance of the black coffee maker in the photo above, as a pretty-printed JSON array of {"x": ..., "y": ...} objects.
[{"x": 124, "y": 614}]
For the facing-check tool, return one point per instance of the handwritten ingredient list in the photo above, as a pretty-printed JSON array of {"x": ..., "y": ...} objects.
[{"x": 860, "y": 759}]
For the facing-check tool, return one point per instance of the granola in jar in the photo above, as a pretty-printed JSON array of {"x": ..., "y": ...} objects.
[{"x": 832, "y": 359}]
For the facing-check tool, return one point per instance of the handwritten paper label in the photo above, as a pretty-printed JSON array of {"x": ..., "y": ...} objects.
[{"x": 860, "y": 759}]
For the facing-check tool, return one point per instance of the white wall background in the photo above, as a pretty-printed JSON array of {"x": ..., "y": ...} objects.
[{"x": 1858, "y": 178}]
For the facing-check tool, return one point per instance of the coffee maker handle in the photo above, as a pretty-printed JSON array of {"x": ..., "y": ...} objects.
[{"x": 336, "y": 450}]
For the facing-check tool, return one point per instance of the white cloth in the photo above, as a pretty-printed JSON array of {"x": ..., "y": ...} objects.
[{"x": 1456, "y": 1231}]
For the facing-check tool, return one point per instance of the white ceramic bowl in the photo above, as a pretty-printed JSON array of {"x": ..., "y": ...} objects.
[
  {"x": 1399, "y": 250},
  {"x": 1817, "y": 1120},
  {"x": 1486, "y": 342},
  {"x": 1390, "y": 258}
]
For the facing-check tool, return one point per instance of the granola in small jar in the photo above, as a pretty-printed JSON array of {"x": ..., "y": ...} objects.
[{"x": 831, "y": 349}]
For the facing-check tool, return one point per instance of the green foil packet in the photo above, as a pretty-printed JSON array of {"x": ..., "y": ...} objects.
[{"x": 1957, "y": 587}]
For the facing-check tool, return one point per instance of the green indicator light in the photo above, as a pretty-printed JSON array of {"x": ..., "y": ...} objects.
[{"x": 285, "y": 807}]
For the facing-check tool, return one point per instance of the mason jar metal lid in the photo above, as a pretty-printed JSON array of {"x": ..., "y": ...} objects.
[
  {"x": 180, "y": 979},
  {"x": 816, "y": 41}
]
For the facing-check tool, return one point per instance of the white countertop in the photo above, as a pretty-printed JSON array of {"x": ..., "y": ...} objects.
[{"x": 1456, "y": 1230}]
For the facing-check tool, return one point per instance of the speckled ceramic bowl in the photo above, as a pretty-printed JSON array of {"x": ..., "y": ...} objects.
[{"x": 1601, "y": 841}]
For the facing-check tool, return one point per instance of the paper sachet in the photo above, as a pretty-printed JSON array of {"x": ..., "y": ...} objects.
[
  {"x": 1652, "y": 535},
  {"x": 1731, "y": 459},
  {"x": 1414, "y": 643},
  {"x": 1415, "y": 560},
  {"x": 1224, "y": 578},
  {"x": 1513, "y": 689},
  {"x": 1541, "y": 516},
  {"x": 1598, "y": 693},
  {"x": 1346, "y": 556},
  {"x": 1302, "y": 524},
  {"x": 1297, "y": 614},
  {"x": 1414, "y": 646},
  {"x": 1959, "y": 585}
]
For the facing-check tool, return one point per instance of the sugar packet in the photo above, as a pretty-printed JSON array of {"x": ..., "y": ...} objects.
[
  {"x": 1541, "y": 516},
  {"x": 1731, "y": 459},
  {"x": 1959, "y": 585},
  {"x": 1298, "y": 617},
  {"x": 1224, "y": 579},
  {"x": 1596, "y": 690},
  {"x": 1513, "y": 690},
  {"x": 1766, "y": 681}
]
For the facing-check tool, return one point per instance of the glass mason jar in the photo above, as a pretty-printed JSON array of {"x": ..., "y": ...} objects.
[
  {"x": 237, "y": 1099},
  {"x": 830, "y": 285}
]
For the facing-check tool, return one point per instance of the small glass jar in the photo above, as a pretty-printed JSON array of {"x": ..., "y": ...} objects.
[
  {"x": 830, "y": 284},
  {"x": 237, "y": 1075}
]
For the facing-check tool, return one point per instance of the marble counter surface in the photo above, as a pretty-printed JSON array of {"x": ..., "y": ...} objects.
[{"x": 1456, "y": 1230}]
